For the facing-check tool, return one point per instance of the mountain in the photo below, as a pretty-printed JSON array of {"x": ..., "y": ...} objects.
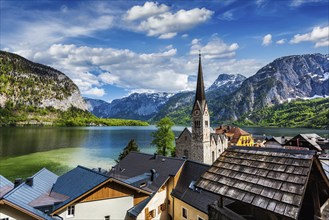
[
  {"x": 231, "y": 96},
  {"x": 26, "y": 83},
  {"x": 285, "y": 78},
  {"x": 142, "y": 106},
  {"x": 154, "y": 106}
]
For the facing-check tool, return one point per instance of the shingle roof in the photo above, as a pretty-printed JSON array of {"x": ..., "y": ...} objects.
[
  {"x": 75, "y": 183},
  {"x": 199, "y": 199},
  {"x": 5, "y": 186},
  {"x": 136, "y": 164},
  {"x": 271, "y": 179},
  {"x": 24, "y": 194}
]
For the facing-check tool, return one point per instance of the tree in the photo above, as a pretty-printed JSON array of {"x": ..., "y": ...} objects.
[
  {"x": 164, "y": 137},
  {"x": 131, "y": 146}
]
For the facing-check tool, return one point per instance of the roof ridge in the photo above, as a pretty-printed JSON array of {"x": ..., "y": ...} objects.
[
  {"x": 93, "y": 171},
  {"x": 280, "y": 150}
]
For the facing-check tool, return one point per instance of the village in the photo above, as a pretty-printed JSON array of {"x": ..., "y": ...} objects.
[{"x": 221, "y": 173}]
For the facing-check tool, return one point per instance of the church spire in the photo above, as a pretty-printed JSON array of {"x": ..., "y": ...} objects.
[{"x": 200, "y": 94}]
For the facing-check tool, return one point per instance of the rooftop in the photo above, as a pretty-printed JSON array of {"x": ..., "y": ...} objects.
[
  {"x": 136, "y": 168},
  {"x": 273, "y": 179}
]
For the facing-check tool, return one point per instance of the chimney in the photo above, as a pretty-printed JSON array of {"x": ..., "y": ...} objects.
[
  {"x": 155, "y": 156},
  {"x": 29, "y": 181},
  {"x": 17, "y": 182},
  {"x": 99, "y": 169},
  {"x": 153, "y": 172}
]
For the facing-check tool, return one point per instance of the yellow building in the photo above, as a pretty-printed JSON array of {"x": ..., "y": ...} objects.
[{"x": 236, "y": 136}]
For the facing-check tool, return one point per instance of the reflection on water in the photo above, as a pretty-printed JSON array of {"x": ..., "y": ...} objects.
[{"x": 98, "y": 146}]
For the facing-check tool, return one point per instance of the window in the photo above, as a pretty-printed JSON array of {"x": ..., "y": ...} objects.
[
  {"x": 4, "y": 218},
  {"x": 206, "y": 123},
  {"x": 107, "y": 217},
  {"x": 197, "y": 124},
  {"x": 70, "y": 211},
  {"x": 213, "y": 156},
  {"x": 161, "y": 208},
  {"x": 184, "y": 212},
  {"x": 152, "y": 213}
]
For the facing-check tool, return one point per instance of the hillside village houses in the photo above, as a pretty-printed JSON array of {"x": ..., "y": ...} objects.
[{"x": 209, "y": 179}]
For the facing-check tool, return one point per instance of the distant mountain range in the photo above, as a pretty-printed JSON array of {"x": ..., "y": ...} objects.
[{"x": 230, "y": 96}]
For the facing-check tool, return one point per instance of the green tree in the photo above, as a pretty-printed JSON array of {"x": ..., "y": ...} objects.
[
  {"x": 164, "y": 137},
  {"x": 131, "y": 146}
]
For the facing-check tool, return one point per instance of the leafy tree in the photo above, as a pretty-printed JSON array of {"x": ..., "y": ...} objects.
[
  {"x": 164, "y": 137},
  {"x": 132, "y": 146}
]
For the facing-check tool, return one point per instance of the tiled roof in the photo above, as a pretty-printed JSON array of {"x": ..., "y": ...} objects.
[
  {"x": 24, "y": 194},
  {"x": 271, "y": 179},
  {"x": 184, "y": 191},
  {"x": 136, "y": 165},
  {"x": 75, "y": 183},
  {"x": 5, "y": 186}
]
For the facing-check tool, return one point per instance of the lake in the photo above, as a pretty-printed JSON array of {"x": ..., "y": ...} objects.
[{"x": 24, "y": 150}]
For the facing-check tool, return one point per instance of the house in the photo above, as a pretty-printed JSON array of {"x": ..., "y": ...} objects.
[
  {"x": 89, "y": 194},
  {"x": 155, "y": 174},
  {"x": 267, "y": 183},
  {"x": 300, "y": 141},
  {"x": 200, "y": 143},
  {"x": 19, "y": 202},
  {"x": 308, "y": 141},
  {"x": 275, "y": 142},
  {"x": 189, "y": 202},
  {"x": 235, "y": 135}
]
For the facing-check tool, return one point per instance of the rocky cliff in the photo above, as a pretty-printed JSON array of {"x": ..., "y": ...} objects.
[{"x": 23, "y": 82}]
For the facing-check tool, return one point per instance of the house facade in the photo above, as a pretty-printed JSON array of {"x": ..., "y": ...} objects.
[{"x": 200, "y": 143}]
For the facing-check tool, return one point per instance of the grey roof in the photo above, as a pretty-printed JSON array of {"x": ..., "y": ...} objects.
[
  {"x": 24, "y": 194},
  {"x": 5, "y": 186},
  {"x": 185, "y": 190},
  {"x": 305, "y": 140},
  {"x": 136, "y": 164},
  {"x": 134, "y": 211},
  {"x": 75, "y": 183},
  {"x": 273, "y": 179}
]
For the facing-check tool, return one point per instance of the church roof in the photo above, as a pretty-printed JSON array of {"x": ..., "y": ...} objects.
[{"x": 200, "y": 95}]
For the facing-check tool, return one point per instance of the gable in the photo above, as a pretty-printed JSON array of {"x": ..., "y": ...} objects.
[{"x": 113, "y": 190}]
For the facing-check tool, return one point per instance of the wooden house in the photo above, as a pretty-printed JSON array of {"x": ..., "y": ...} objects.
[{"x": 266, "y": 183}]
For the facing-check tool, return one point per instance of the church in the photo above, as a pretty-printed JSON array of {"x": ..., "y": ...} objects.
[{"x": 200, "y": 143}]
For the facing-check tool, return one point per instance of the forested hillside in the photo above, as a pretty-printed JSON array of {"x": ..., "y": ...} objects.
[{"x": 312, "y": 113}]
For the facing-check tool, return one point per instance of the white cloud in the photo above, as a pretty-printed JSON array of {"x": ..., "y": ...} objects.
[
  {"x": 227, "y": 16},
  {"x": 184, "y": 35},
  {"x": 95, "y": 92},
  {"x": 167, "y": 24},
  {"x": 282, "y": 41},
  {"x": 215, "y": 48},
  {"x": 147, "y": 10},
  {"x": 297, "y": 3},
  {"x": 267, "y": 40},
  {"x": 320, "y": 36}
]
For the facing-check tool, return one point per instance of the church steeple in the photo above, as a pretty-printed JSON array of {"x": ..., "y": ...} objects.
[{"x": 200, "y": 96}]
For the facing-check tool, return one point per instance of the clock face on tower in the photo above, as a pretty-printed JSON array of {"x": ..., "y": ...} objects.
[{"x": 196, "y": 112}]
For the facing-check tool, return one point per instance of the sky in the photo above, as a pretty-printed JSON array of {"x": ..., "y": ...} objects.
[{"x": 111, "y": 49}]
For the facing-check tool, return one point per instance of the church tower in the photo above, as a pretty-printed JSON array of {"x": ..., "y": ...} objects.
[
  {"x": 200, "y": 122},
  {"x": 198, "y": 143}
]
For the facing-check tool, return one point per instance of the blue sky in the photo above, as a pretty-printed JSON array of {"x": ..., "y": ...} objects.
[{"x": 111, "y": 49}]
